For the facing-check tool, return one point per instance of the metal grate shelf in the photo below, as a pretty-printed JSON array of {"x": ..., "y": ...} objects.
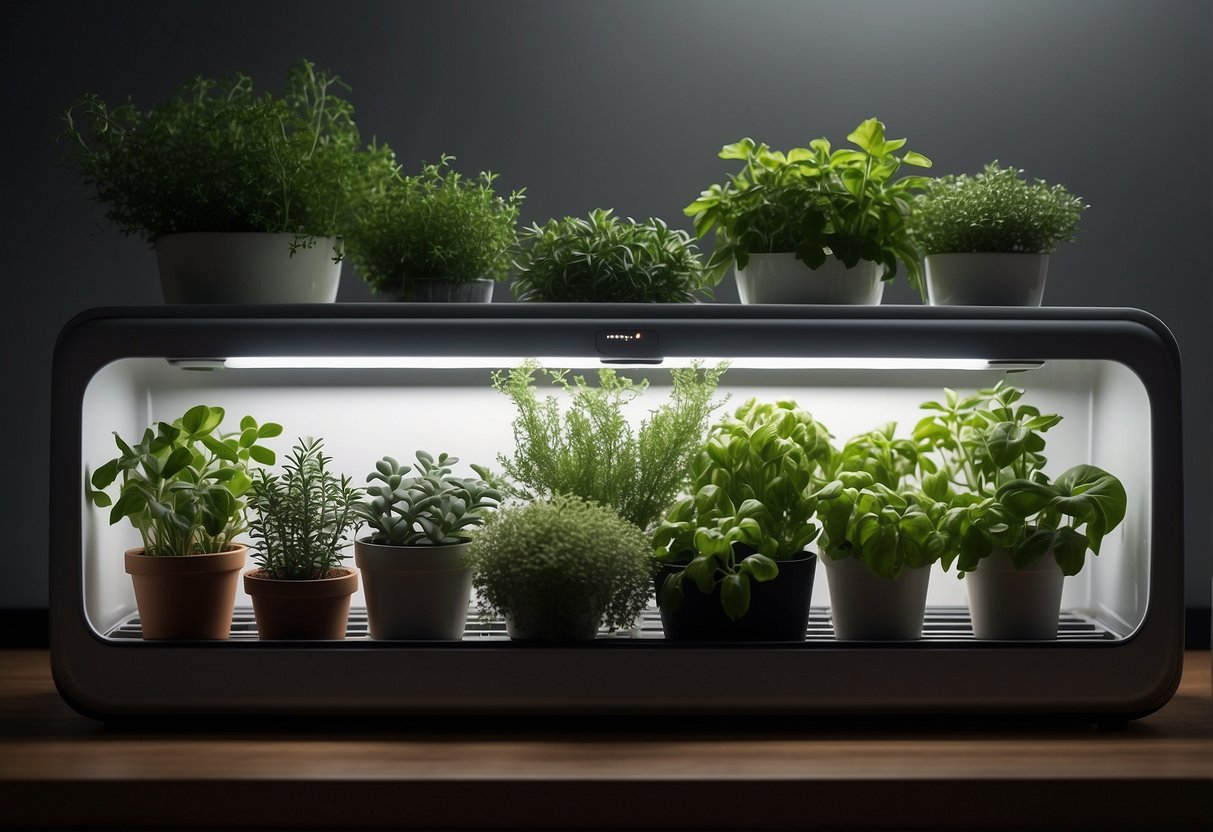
[{"x": 942, "y": 624}]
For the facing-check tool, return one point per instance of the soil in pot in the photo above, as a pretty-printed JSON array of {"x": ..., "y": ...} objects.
[
  {"x": 779, "y": 609},
  {"x": 1009, "y": 603},
  {"x": 781, "y": 278},
  {"x": 247, "y": 267},
  {"x": 415, "y": 592},
  {"x": 316, "y": 610},
  {"x": 864, "y": 606},
  {"x": 186, "y": 596}
]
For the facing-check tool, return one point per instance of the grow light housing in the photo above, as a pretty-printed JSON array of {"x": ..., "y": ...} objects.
[{"x": 381, "y": 379}]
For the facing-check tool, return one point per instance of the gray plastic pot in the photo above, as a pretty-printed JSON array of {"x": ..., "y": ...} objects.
[
  {"x": 248, "y": 267},
  {"x": 443, "y": 291},
  {"x": 1013, "y": 604},
  {"x": 415, "y": 592},
  {"x": 868, "y": 607},
  {"x": 986, "y": 279},
  {"x": 781, "y": 278}
]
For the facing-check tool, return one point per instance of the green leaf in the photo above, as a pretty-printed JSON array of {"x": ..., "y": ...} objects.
[
  {"x": 248, "y": 423},
  {"x": 195, "y": 418},
  {"x": 129, "y": 502},
  {"x": 106, "y": 474},
  {"x": 735, "y": 595},
  {"x": 670, "y": 595},
  {"x": 760, "y": 567},
  {"x": 269, "y": 430},
  {"x": 262, "y": 454},
  {"x": 178, "y": 460},
  {"x": 247, "y": 437},
  {"x": 220, "y": 448},
  {"x": 917, "y": 159},
  {"x": 869, "y": 135},
  {"x": 1070, "y": 550}
]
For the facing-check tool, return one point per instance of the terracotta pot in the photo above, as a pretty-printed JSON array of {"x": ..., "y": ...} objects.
[
  {"x": 314, "y": 610},
  {"x": 415, "y": 592},
  {"x": 186, "y": 596},
  {"x": 864, "y": 606}
]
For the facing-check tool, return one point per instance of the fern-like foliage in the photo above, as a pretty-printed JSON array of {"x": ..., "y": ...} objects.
[
  {"x": 592, "y": 451},
  {"x": 301, "y": 519}
]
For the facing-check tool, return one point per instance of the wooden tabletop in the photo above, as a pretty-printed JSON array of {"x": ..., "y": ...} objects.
[{"x": 59, "y": 769}]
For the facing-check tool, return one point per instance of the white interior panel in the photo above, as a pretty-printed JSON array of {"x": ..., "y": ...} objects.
[{"x": 363, "y": 414}]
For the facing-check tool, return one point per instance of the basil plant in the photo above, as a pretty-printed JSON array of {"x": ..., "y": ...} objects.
[
  {"x": 750, "y": 506},
  {"x": 872, "y": 509},
  {"x": 815, "y": 201},
  {"x": 990, "y": 449},
  {"x": 181, "y": 484}
]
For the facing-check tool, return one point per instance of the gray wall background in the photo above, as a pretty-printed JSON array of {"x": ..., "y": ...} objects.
[{"x": 624, "y": 104}]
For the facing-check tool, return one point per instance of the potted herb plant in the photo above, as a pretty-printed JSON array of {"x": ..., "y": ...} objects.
[
  {"x": 987, "y": 238},
  {"x": 300, "y": 521},
  {"x": 437, "y": 236},
  {"x": 560, "y": 569},
  {"x": 880, "y": 536},
  {"x": 813, "y": 224},
  {"x": 1017, "y": 532},
  {"x": 181, "y": 486},
  {"x": 732, "y": 556},
  {"x": 417, "y": 583},
  {"x": 604, "y": 259},
  {"x": 244, "y": 196},
  {"x": 589, "y": 449}
]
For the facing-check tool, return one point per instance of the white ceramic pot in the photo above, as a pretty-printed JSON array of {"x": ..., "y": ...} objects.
[
  {"x": 864, "y": 606},
  {"x": 443, "y": 291},
  {"x": 213, "y": 267},
  {"x": 781, "y": 278},
  {"x": 415, "y": 592},
  {"x": 1009, "y": 603},
  {"x": 986, "y": 279}
]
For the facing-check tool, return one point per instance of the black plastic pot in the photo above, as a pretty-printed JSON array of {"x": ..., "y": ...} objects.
[{"x": 779, "y": 609}]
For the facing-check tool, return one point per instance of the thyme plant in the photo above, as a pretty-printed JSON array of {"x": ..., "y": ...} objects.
[
  {"x": 560, "y": 568},
  {"x": 816, "y": 202},
  {"x": 996, "y": 210},
  {"x": 219, "y": 156},
  {"x": 301, "y": 519},
  {"x": 607, "y": 260},
  {"x": 438, "y": 225},
  {"x": 590, "y": 449}
]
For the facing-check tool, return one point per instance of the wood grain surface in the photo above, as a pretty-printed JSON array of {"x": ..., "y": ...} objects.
[{"x": 59, "y": 769}]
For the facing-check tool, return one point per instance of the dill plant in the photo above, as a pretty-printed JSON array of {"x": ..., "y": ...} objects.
[
  {"x": 560, "y": 568},
  {"x": 301, "y": 519},
  {"x": 591, "y": 450},
  {"x": 996, "y": 210},
  {"x": 219, "y": 156},
  {"x": 603, "y": 259},
  {"x": 438, "y": 225}
]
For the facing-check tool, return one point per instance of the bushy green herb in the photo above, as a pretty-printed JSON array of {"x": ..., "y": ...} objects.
[
  {"x": 182, "y": 482},
  {"x": 605, "y": 260},
  {"x": 991, "y": 471},
  {"x": 438, "y": 225},
  {"x": 430, "y": 508},
  {"x": 218, "y": 156},
  {"x": 994, "y": 211},
  {"x": 592, "y": 451},
  {"x": 556, "y": 565},
  {"x": 301, "y": 519},
  {"x": 815, "y": 202},
  {"x": 751, "y": 505}
]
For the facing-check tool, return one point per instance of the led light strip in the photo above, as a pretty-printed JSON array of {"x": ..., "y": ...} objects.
[{"x": 442, "y": 362}]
